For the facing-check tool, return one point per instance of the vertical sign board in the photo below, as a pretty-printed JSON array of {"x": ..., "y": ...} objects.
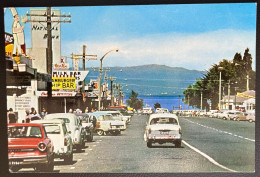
[
  {"x": 39, "y": 39},
  {"x": 23, "y": 103}
]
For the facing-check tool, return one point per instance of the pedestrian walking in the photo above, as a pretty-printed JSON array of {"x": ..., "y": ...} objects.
[
  {"x": 43, "y": 113},
  {"x": 86, "y": 110},
  {"x": 11, "y": 116},
  {"x": 34, "y": 115},
  {"x": 27, "y": 116}
]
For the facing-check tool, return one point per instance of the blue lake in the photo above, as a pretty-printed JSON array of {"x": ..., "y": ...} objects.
[{"x": 166, "y": 101}]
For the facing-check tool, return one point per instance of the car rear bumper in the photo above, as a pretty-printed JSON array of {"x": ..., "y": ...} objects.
[
  {"x": 164, "y": 139},
  {"x": 28, "y": 160}
]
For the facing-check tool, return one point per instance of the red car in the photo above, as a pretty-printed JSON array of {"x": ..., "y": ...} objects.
[{"x": 28, "y": 146}]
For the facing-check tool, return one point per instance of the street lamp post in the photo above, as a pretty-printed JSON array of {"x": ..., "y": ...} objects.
[
  {"x": 100, "y": 75},
  {"x": 219, "y": 100}
]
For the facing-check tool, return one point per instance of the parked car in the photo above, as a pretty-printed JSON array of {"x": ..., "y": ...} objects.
[
  {"x": 29, "y": 147},
  {"x": 250, "y": 117},
  {"x": 163, "y": 128},
  {"x": 73, "y": 125},
  {"x": 241, "y": 117},
  {"x": 161, "y": 110},
  {"x": 118, "y": 116},
  {"x": 105, "y": 123},
  {"x": 87, "y": 123},
  {"x": 229, "y": 115},
  {"x": 211, "y": 113},
  {"x": 57, "y": 131},
  {"x": 148, "y": 111}
]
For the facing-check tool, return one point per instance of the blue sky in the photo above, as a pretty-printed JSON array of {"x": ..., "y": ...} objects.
[{"x": 190, "y": 36}]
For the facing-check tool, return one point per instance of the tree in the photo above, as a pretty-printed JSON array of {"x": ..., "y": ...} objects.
[
  {"x": 234, "y": 73},
  {"x": 134, "y": 102},
  {"x": 157, "y": 105}
]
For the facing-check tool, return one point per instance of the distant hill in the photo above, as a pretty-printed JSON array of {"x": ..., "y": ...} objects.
[{"x": 154, "y": 80}]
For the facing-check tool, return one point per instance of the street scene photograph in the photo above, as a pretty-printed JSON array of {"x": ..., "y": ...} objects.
[{"x": 131, "y": 88}]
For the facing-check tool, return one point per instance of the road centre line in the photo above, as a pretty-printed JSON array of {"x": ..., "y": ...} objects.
[
  {"x": 222, "y": 131},
  {"x": 207, "y": 157}
]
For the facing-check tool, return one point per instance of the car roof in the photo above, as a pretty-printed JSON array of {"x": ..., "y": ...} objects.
[
  {"x": 53, "y": 121},
  {"x": 24, "y": 124},
  {"x": 60, "y": 115},
  {"x": 98, "y": 113},
  {"x": 108, "y": 112},
  {"x": 163, "y": 115}
]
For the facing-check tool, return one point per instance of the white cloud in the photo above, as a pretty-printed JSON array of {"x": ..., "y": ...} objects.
[{"x": 191, "y": 51}]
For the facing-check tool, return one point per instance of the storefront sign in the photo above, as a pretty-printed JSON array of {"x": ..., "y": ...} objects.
[
  {"x": 22, "y": 103},
  {"x": 63, "y": 83},
  {"x": 61, "y": 66},
  {"x": 79, "y": 75},
  {"x": 56, "y": 94}
]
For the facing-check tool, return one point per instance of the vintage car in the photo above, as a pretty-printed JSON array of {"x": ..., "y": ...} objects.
[
  {"x": 251, "y": 117},
  {"x": 57, "y": 131},
  {"x": 229, "y": 115},
  {"x": 118, "y": 116},
  {"x": 73, "y": 125},
  {"x": 241, "y": 116},
  {"x": 161, "y": 110},
  {"x": 105, "y": 123},
  {"x": 87, "y": 123},
  {"x": 29, "y": 147},
  {"x": 163, "y": 128},
  {"x": 147, "y": 111}
]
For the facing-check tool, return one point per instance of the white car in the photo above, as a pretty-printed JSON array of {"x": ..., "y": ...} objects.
[
  {"x": 56, "y": 130},
  {"x": 161, "y": 110},
  {"x": 105, "y": 123},
  {"x": 73, "y": 125},
  {"x": 147, "y": 111},
  {"x": 229, "y": 115},
  {"x": 117, "y": 115},
  {"x": 87, "y": 124},
  {"x": 163, "y": 128}
]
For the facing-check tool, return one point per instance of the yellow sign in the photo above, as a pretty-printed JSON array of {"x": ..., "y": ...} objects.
[{"x": 63, "y": 83}]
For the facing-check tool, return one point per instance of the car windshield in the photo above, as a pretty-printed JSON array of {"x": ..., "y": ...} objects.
[
  {"x": 164, "y": 120},
  {"x": 66, "y": 120},
  {"x": 24, "y": 132},
  {"x": 107, "y": 117},
  {"x": 52, "y": 129}
]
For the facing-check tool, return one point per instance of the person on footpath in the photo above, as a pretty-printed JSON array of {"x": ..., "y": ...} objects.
[
  {"x": 27, "y": 116},
  {"x": 44, "y": 113},
  {"x": 11, "y": 116}
]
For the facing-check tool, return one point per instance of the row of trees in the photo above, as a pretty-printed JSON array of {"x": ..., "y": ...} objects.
[{"x": 233, "y": 72}]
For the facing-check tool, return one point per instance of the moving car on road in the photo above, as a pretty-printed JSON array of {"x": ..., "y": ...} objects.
[
  {"x": 147, "y": 111},
  {"x": 250, "y": 117},
  {"x": 29, "y": 147},
  {"x": 73, "y": 125},
  {"x": 161, "y": 110},
  {"x": 62, "y": 142},
  {"x": 163, "y": 128}
]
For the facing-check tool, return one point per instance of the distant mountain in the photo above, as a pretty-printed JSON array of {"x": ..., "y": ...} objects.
[{"x": 151, "y": 80}]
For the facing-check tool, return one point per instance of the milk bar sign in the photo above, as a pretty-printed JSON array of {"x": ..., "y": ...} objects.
[{"x": 79, "y": 75}]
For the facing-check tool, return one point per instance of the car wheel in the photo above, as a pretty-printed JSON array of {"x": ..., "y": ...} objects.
[
  {"x": 48, "y": 167},
  {"x": 238, "y": 119},
  {"x": 224, "y": 118},
  {"x": 14, "y": 169},
  {"x": 69, "y": 159},
  {"x": 250, "y": 120},
  {"x": 100, "y": 132},
  {"x": 149, "y": 144},
  {"x": 178, "y": 144}
]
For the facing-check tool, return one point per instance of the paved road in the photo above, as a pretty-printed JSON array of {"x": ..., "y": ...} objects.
[{"x": 204, "y": 149}]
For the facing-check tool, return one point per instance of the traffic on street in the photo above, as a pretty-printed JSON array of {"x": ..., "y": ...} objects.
[{"x": 208, "y": 145}]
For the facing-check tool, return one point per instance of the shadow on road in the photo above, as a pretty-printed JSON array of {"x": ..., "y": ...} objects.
[{"x": 166, "y": 147}]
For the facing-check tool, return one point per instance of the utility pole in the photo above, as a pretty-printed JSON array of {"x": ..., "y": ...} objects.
[
  {"x": 228, "y": 92},
  {"x": 201, "y": 100},
  {"x": 111, "y": 88},
  {"x": 83, "y": 65},
  {"x": 49, "y": 21},
  {"x": 247, "y": 82}
]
